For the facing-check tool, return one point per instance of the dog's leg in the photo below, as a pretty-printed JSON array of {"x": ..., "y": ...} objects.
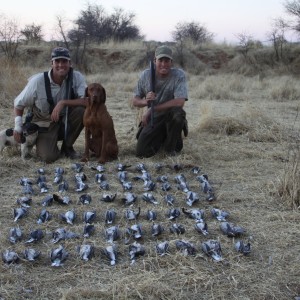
[{"x": 87, "y": 137}]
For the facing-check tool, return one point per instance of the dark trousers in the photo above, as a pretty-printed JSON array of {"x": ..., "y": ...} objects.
[
  {"x": 46, "y": 144},
  {"x": 166, "y": 133}
]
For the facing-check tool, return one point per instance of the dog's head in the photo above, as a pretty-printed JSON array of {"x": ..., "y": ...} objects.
[
  {"x": 96, "y": 93},
  {"x": 29, "y": 128}
]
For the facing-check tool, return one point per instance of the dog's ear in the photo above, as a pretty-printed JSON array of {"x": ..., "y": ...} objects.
[
  {"x": 104, "y": 95},
  {"x": 9, "y": 132},
  {"x": 86, "y": 92},
  {"x": 30, "y": 128}
]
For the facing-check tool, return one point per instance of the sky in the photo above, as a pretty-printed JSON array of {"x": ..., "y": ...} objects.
[{"x": 156, "y": 19}]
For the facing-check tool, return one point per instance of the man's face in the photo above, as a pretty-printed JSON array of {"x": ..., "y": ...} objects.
[
  {"x": 61, "y": 67},
  {"x": 163, "y": 66}
]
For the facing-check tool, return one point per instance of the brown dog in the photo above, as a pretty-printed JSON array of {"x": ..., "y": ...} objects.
[{"x": 100, "y": 135}]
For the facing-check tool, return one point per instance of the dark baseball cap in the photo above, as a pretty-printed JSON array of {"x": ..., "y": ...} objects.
[
  {"x": 163, "y": 51},
  {"x": 60, "y": 52}
]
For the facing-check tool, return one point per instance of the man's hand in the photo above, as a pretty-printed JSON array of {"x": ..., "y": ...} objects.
[
  {"x": 18, "y": 128},
  {"x": 146, "y": 117},
  {"x": 149, "y": 98},
  {"x": 56, "y": 111}
]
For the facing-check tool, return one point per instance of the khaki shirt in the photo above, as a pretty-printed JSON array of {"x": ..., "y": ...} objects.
[{"x": 34, "y": 95}]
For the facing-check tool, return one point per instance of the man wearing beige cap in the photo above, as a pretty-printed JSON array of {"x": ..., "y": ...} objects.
[
  {"x": 57, "y": 104},
  {"x": 168, "y": 96}
]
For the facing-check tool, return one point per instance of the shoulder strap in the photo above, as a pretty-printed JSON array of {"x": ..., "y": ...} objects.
[{"x": 48, "y": 92}]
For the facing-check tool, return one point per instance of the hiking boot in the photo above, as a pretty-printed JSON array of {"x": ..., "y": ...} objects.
[{"x": 69, "y": 152}]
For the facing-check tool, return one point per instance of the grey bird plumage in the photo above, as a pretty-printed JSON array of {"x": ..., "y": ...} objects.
[
  {"x": 173, "y": 213},
  {"x": 135, "y": 231},
  {"x": 47, "y": 200},
  {"x": 243, "y": 247},
  {"x": 185, "y": 247},
  {"x": 162, "y": 248},
  {"x": 63, "y": 200},
  {"x": 44, "y": 216},
  {"x": 89, "y": 216},
  {"x": 201, "y": 227},
  {"x": 212, "y": 248},
  {"x": 85, "y": 199},
  {"x": 31, "y": 254},
  {"x": 196, "y": 214},
  {"x": 108, "y": 197},
  {"x": 110, "y": 216},
  {"x": 156, "y": 229},
  {"x": 130, "y": 214},
  {"x": 10, "y": 257},
  {"x": 149, "y": 198},
  {"x": 86, "y": 251},
  {"x": 35, "y": 236},
  {"x": 61, "y": 234},
  {"x": 24, "y": 201},
  {"x": 170, "y": 199},
  {"x": 112, "y": 234},
  {"x": 231, "y": 230},
  {"x": 19, "y": 213},
  {"x": 111, "y": 253},
  {"x": 220, "y": 215},
  {"x": 58, "y": 256},
  {"x": 69, "y": 217},
  {"x": 77, "y": 167},
  {"x": 15, "y": 235},
  {"x": 151, "y": 215},
  {"x": 88, "y": 230},
  {"x": 135, "y": 250},
  {"x": 129, "y": 198},
  {"x": 191, "y": 198},
  {"x": 177, "y": 228}
]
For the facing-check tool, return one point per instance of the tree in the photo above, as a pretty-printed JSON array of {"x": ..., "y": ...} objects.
[
  {"x": 32, "y": 33},
  {"x": 292, "y": 7},
  {"x": 9, "y": 37},
  {"x": 193, "y": 31}
]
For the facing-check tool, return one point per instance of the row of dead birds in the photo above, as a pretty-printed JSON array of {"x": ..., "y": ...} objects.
[
  {"x": 129, "y": 198},
  {"x": 59, "y": 255},
  {"x": 148, "y": 183}
]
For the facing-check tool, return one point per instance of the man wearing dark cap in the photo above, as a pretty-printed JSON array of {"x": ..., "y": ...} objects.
[
  {"x": 56, "y": 99},
  {"x": 169, "y": 119}
]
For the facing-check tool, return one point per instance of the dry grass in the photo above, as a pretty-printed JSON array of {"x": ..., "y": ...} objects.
[{"x": 247, "y": 144}]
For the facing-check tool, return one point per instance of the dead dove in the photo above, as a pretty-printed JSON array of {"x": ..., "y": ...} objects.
[
  {"x": 135, "y": 231},
  {"x": 127, "y": 185},
  {"x": 158, "y": 166},
  {"x": 24, "y": 201},
  {"x": 99, "y": 168},
  {"x": 100, "y": 177},
  {"x": 220, "y": 215},
  {"x": 58, "y": 175},
  {"x": 173, "y": 213},
  {"x": 69, "y": 217},
  {"x": 169, "y": 199},
  {"x": 196, "y": 214},
  {"x": 177, "y": 228},
  {"x": 162, "y": 248},
  {"x": 191, "y": 198},
  {"x": 89, "y": 216},
  {"x": 58, "y": 256},
  {"x": 131, "y": 214},
  {"x": 41, "y": 171},
  {"x": 110, "y": 216},
  {"x": 141, "y": 167},
  {"x": 77, "y": 167},
  {"x": 243, "y": 247},
  {"x": 35, "y": 236},
  {"x": 86, "y": 251},
  {"x": 64, "y": 200},
  {"x": 149, "y": 185},
  {"x": 47, "y": 200},
  {"x": 129, "y": 198},
  {"x": 121, "y": 167},
  {"x": 85, "y": 199},
  {"x": 25, "y": 181},
  {"x": 43, "y": 187},
  {"x": 181, "y": 183},
  {"x": 148, "y": 197},
  {"x": 15, "y": 235},
  {"x": 212, "y": 248},
  {"x": 44, "y": 216},
  {"x": 135, "y": 250},
  {"x": 156, "y": 229},
  {"x": 201, "y": 227},
  {"x": 108, "y": 197},
  {"x": 111, "y": 253},
  {"x": 203, "y": 179},
  {"x": 195, "y": 170},
  {"x": 61, "y": 234},
  {"x": 88, "y": 230},
  {"x": 63, "y": 186},
  {"x": 186, "y": 248},
  {"x": 31, "y": 254},
  {"x": 231, "y": 230},
  {"x": 166, "y": 186},
  {"x": 122, "y": 175},
  {"x": 19, "y": 213},
  {"x": 162, "y": 178},
  {"x": 151, "y": 215},
  {"x": 10, "y": 257},
  {"x": 112, "y": 234}
]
